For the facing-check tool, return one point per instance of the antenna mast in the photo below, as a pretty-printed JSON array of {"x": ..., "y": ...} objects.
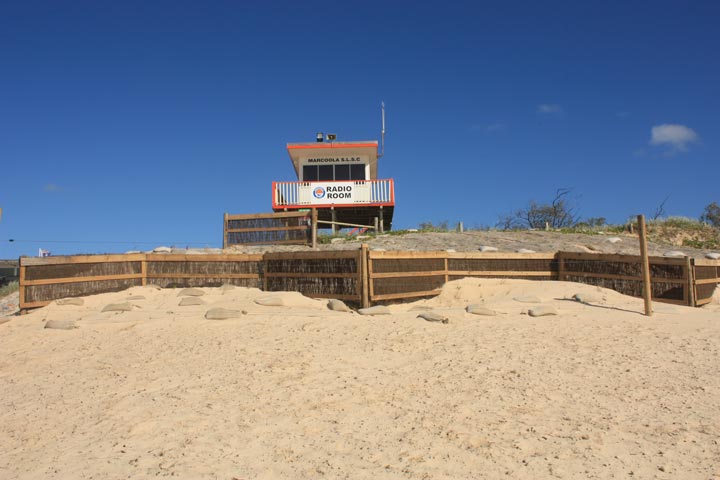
[{"x": 382, "y": 132}]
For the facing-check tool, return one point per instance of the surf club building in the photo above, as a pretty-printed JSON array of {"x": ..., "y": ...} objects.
[{"x": 340, "y": 180}]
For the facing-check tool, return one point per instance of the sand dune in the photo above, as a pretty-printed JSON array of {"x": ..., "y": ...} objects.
[{"x": 299, "y": 391}]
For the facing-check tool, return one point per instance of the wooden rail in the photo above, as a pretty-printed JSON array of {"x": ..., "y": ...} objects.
[
  {"x": 43, "y": 280},
  {"x": 362, "y": 276},
  {"x": 396, "y": 275},
  {"x": 706, "y": 275},
  {"x": 281, "y": 228},
  {"x": 336, "y": 274},
  {"x": 617, "y": 261}
]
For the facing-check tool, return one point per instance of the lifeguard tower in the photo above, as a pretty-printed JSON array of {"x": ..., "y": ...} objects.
[{"x": 340, "y": 180}]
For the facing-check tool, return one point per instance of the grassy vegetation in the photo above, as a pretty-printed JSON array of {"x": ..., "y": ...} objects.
[
  {"x": 11, "y": 287},
  {"x": 712, "y": 244},
  {"x": 683, "y": 223},
  {"x": 686, "y": 232},
  {"x": 398, "y": 232},
  {"x": 594, "y": 230},
  {"x": 324, "y": 239},
  {"x": 677, "y": 231}
]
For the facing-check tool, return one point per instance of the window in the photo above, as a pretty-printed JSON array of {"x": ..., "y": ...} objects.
[
  {"x": 315, "y": 173},
  {"x": 310, "y": 173},
  {"x": 325, "y": 172},
  {"x": 357, "y": 172},
  {"x": 342, "y": 172}
]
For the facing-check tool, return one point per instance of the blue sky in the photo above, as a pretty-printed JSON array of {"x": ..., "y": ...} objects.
[{"x": 127, "y": 125}]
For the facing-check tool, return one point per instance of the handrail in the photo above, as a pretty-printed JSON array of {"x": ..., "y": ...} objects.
[{"x": 333, "y": 194}]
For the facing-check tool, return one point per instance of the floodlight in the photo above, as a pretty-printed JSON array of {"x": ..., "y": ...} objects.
[
  {"x": 331, "y": 137},
  {"x": 319, "y": 137}
]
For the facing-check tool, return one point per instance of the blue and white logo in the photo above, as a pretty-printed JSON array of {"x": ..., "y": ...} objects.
[{"x": 319, "y": 192}]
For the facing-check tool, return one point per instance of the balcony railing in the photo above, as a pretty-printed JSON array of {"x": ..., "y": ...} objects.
[{"x": 338, "y": 193}]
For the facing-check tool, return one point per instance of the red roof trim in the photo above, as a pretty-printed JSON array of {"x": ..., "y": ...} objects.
[{"x": 331, "y": 145}]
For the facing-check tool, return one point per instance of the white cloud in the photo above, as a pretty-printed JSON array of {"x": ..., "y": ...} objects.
[
  {"x": 549, "y": 108},
  {"x": 676, "y": 136},
  {"x": 51, "y": 187},
  {"x": 494, "y": 127}
]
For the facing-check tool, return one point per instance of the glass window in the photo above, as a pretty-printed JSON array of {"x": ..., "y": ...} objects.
[
  {"x": 342, "y": 172},
  {"x": 357, "y": 172},
  {"x": 325, "y": 172},
  {"x": 310, "y": 173}
]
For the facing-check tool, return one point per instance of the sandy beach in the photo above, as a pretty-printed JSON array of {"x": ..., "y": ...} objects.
[{"x": 298, "y": 391}]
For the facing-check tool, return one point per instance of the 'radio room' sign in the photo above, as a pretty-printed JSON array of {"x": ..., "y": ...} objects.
[{"x": 335, "y": 192}]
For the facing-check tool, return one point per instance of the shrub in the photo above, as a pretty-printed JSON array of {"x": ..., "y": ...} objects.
[
  {"x": 560, "y": 213},
  {"x": 430, "y": 227},
  {"x": 11, "y": 287},
  {"x": 711, "y": 215}
]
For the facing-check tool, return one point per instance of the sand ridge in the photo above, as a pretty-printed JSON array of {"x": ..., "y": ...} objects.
[{"x": 296, "y": 390}]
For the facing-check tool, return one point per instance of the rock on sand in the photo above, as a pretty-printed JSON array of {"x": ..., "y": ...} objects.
[
  {"x": 273, "y": 301},
  {"x": 434, "y": 317},
  {"x": 71, "y": 301},
  {"x": 586, "y": 298},
  {"x": 337, "y": 305},
  {"x": 376, "y": 310},
  {"x": 188, "y": 301},
  {"x": 223, "y": 314},
  {"x": 542, "y": 311},
  {"x": 118, "y": 307},
  {"x": 60, "y": 324},
  {"x": 476, "y": 309}
]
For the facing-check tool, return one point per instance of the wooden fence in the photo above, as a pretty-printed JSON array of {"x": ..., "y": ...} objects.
[
  {"x": 337, "y": 274},
  {"x": 360, "y": 276},
  {"x": 400, "y": 275},
  {"x": 43, "y": 280},
  {"x": 671, "y": 278},
  {"x": 705, "y": 277},
  {"x": 280, "y": 228}
]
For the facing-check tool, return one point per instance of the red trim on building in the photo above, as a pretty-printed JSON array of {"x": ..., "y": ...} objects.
[
  {"x": 331, "y": 145},
  {"x": 331, "y": 205}
]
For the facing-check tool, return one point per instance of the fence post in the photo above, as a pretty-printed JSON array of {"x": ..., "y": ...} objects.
[
  {"x": 313, "y": 220},
  {"x": 647, "y": 286},
  {"x": 365, "y": 294},
  {"x": 143, "y": 271},
  {"x": 561, "y": 266},
  {"x": 447, "y": 274},
  {"x": 21, "y": 282},
  {"x": 225, "y": 225},
  {"x": 690, "y": 268}
]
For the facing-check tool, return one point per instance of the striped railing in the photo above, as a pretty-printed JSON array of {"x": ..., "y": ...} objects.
[{"x": 319, "y": 194}]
